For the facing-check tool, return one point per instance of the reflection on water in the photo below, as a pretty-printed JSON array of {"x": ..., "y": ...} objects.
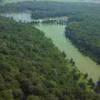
[{"x": 23, "y": 17}]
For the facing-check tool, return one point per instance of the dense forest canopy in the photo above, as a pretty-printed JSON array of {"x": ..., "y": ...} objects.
[
  {"x": 45, "y": 9},
  {"x": 88, "y": 14},
  {"x": 32, "y": 68}
]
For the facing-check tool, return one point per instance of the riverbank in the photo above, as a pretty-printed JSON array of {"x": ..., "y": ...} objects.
[
  {"x": 32, "y": 68},
  {"x": 83, "y": 63},
  {"x": 56, "y": 32},
  {"x": 26, "y": 17},
  {"x": 85, "y": 35}
]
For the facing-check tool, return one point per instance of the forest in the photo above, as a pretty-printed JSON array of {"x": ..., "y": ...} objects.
[
  {"x": 84, "y": 31},
  {"x": 32, "y": 68},
  {"x": 52, "y": 9}
]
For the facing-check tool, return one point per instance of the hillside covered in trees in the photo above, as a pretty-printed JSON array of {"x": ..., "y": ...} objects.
[
  {"x": 85, "y": 34},
  {"x": 52, "y": 9},
  {"x": 32, "y": 68}
]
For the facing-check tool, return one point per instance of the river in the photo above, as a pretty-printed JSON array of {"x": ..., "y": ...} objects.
[{"x": 56, "y": 33}]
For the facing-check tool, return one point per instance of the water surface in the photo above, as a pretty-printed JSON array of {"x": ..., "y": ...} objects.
[
  {"x": 83, "y": 63},
  {"x": 23, "y": 17}
]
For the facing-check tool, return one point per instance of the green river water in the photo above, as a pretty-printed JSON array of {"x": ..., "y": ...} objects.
[{"x": 83, "y": 63}]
